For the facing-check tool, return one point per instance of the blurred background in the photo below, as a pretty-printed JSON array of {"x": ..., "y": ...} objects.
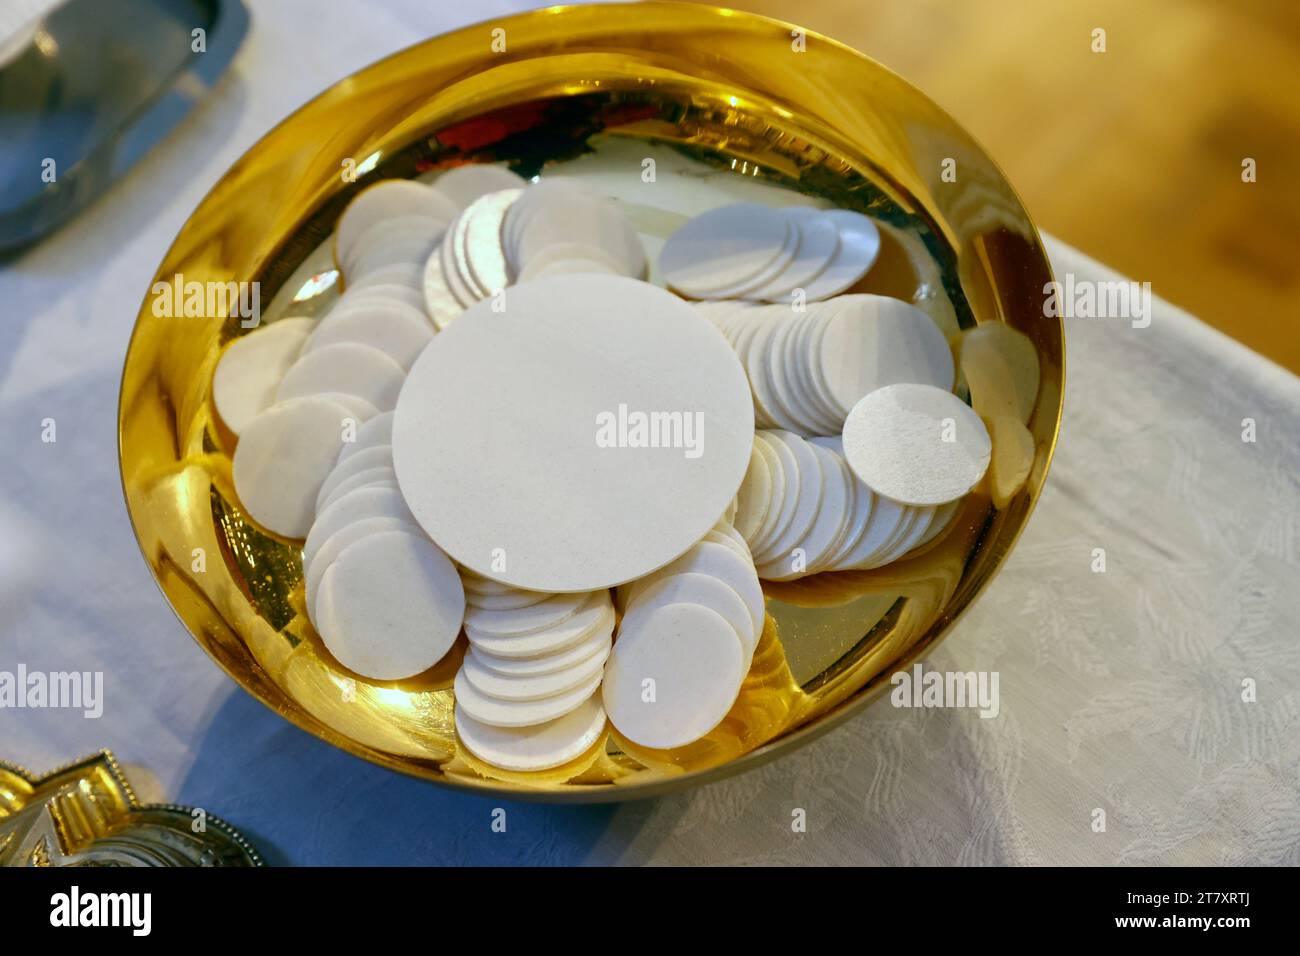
[{"x": 1134, "y": 155}]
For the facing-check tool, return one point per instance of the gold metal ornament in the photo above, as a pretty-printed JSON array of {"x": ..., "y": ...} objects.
[
  {"x": 742, "y": 98},
  {"x": 86, "y": 814}
]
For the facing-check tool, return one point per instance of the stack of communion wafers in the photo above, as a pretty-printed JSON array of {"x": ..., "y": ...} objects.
[{"x": 501, "y": 422}]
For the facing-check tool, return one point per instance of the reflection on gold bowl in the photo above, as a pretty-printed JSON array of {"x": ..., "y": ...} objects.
[{"x": 733, "y": 96}]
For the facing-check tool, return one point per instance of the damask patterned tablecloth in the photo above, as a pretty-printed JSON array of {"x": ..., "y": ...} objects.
[{"x": 1159, "y": 697}]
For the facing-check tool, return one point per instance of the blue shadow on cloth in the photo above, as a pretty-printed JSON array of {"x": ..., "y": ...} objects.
[{"x": 306, "y": 803}]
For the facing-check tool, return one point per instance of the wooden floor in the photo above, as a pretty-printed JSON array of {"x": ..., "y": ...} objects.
[{"x": 1133, "y": 155}]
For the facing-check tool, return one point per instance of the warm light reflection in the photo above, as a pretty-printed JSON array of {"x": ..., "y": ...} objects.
[
  {"x": 46, "y": 43},
  {"x": 369, "y": 163},
  {"x": 317, "y": 284},
  {"x": 392, "y": 697}
]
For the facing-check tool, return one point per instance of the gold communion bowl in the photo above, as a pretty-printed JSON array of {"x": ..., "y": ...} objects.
[{"x": 724, "y": 99}]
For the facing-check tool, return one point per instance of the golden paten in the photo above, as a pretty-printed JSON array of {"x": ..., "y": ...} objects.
[
  {"x": 735, "y": 95},
  {"x": 85, "y": 814}
]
